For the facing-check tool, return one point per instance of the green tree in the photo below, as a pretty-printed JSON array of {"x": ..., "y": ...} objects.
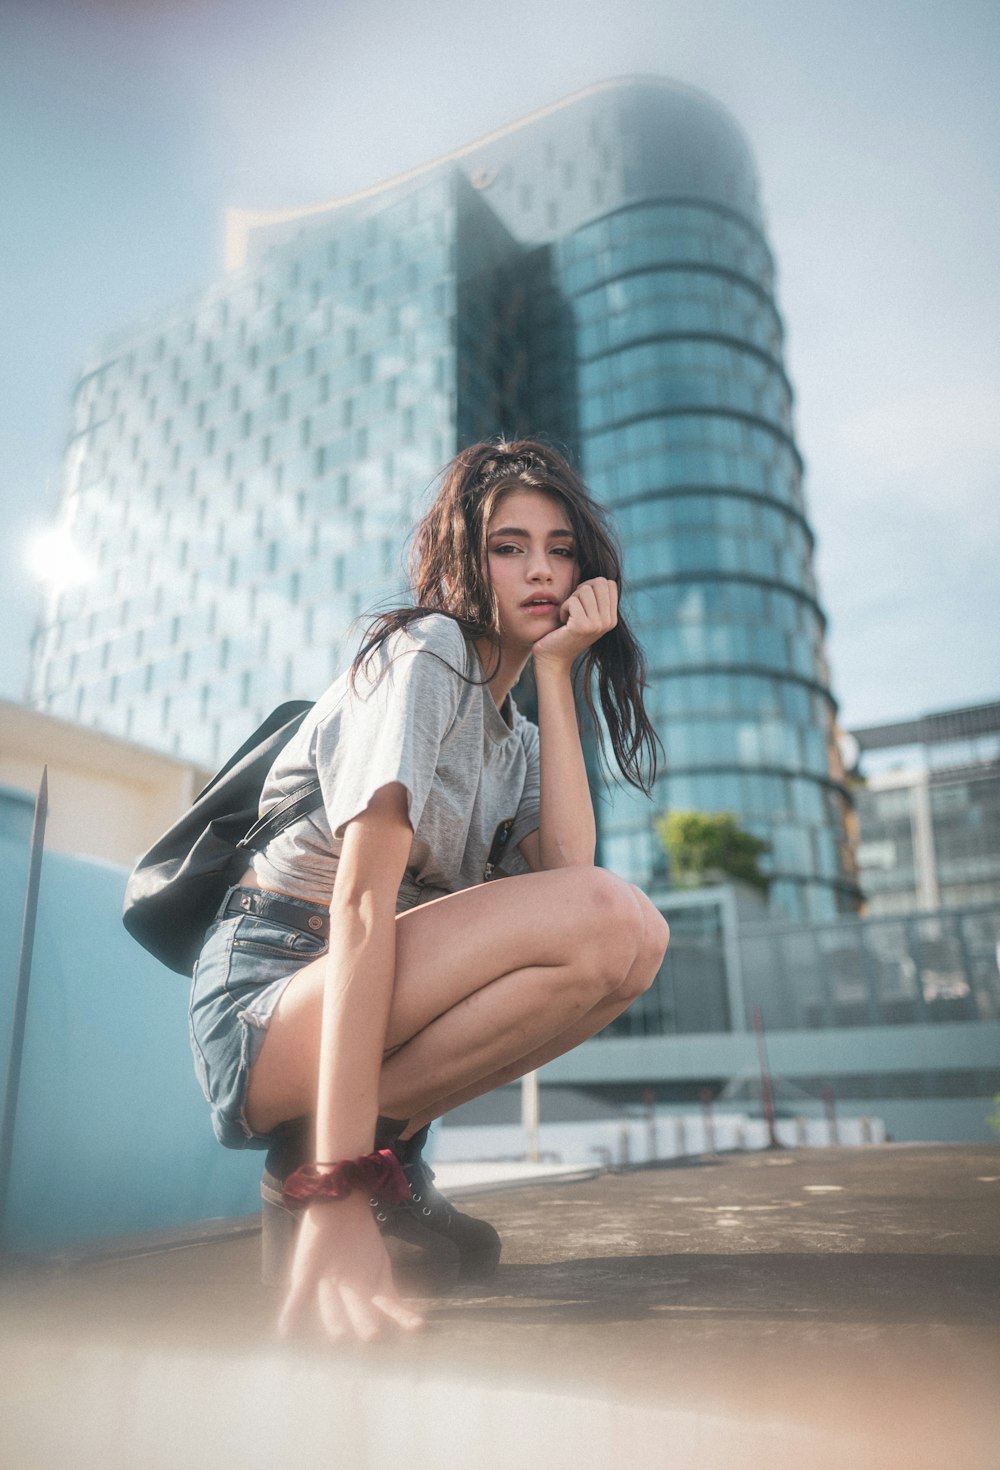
[{"x": 701, "y": 845}]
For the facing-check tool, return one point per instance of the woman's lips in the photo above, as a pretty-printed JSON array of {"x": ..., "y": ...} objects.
[{"x": 539, "y": 608}]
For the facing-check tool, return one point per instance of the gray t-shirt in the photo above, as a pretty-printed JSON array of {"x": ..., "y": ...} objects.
[{"x": 469, "y": 776}]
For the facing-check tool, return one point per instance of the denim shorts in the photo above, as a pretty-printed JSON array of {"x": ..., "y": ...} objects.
[{"x": 245, "y": 964}]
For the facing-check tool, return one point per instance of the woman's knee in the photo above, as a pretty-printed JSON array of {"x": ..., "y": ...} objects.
[
  {"x": 653, "y": 941},
  {"x": 609, "y": 933}
]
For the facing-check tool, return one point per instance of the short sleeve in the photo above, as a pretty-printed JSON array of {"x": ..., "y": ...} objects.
[{"x": 389, "y": 727}]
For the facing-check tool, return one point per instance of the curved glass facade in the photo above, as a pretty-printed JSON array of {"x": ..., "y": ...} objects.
[
  {"x": 243, "y": 469},
  {"x": 685, "y": 425}
]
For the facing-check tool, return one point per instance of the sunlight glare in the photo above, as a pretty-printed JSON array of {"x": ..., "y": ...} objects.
[{"x": 55, "y": 559}]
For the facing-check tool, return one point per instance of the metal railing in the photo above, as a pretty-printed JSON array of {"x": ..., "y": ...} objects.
[{"x": 918, "y": 969}]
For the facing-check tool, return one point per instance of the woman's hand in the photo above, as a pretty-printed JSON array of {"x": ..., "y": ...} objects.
[
  {"x": 586, "y": 615},
  {"x": 341, "y": 1270}
]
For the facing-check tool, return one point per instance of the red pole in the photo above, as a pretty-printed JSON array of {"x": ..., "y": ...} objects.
[{"x": 766, "y": 1090}]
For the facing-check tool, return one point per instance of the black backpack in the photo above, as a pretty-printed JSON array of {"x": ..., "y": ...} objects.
[{"x": 175, "y": 889}]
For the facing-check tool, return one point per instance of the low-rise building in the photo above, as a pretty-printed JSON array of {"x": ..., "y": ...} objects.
[{"x": 928, "y": 810}]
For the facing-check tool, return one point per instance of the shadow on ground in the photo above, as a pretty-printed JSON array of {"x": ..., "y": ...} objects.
[{"x": 920, "y": 1289}]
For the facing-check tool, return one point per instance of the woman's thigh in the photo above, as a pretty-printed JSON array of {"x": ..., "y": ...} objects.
[
  {"x": 450, "y": 948},
  {"x": 445, "y": 950}
]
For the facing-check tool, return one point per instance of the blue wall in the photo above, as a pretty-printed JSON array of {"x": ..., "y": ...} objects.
[{"x": 113, "y": 1135}]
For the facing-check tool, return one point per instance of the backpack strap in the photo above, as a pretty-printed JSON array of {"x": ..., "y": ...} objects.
[{"x": 296, "y": 804}]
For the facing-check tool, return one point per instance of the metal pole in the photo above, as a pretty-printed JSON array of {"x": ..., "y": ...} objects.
[
  {"x": 21, "y": 995},
  {"x": 529, "y": 1113},
  {"x": 708, "y": 1119},
  {"x": 652, "y": 1142},
  {"x": 680, "y": 1137},
  {"x": 766, "y": 1091},
  {"x": 830, "y": 1103}
]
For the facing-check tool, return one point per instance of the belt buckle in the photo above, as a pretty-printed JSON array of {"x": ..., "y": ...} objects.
[{"x": 246, "y": 902}]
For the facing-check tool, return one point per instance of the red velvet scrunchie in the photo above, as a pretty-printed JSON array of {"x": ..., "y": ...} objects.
[{"x": 377, "y": 1174}]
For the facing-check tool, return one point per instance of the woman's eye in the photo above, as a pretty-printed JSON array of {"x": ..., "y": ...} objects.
[
  {"x": 503, "y": 550},
  {"x": 565, "y": 551}
]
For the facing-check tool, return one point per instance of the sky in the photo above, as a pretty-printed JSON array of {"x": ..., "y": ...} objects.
[{"x": 131, "y": 125}]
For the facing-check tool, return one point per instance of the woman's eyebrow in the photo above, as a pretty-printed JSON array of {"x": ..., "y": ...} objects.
[{"x": 519, "y": 531}]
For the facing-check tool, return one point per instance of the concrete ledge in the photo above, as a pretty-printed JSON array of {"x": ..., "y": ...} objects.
[{"x": 796, "y": 1311}]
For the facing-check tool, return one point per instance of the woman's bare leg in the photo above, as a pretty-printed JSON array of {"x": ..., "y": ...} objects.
[
  {"x": 639, "y": 978},
  {"x": 486, "y": 980}
]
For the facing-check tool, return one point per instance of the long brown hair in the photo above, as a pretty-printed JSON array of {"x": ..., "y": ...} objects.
[{"x": 449, "y": 574}]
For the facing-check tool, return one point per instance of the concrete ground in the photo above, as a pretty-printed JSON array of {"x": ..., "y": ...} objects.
[{"x": 807, "y": 1309}]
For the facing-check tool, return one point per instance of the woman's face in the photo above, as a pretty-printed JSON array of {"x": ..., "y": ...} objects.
[{"x": 533, "y": 565}]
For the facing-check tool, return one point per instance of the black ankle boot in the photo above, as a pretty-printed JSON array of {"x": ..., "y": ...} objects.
[
  {"x": 422, "y": 1257},
  {"x": 429, "y": 1213}
]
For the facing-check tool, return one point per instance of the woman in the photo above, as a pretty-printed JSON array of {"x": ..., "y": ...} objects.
[{"x": 372, "y": 1004}]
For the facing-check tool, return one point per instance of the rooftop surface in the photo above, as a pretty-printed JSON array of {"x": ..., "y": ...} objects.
[{"x": 802, "y": 1308}]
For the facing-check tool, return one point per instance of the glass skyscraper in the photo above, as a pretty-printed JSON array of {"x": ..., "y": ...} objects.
[{"x": 245, "y": 468}]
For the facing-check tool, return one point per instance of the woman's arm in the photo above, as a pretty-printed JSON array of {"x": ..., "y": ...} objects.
[
  {"x": 361, "y": 965},
  {"x": 566, "y": 835},
  {"x": 340, "y": 1265}
]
